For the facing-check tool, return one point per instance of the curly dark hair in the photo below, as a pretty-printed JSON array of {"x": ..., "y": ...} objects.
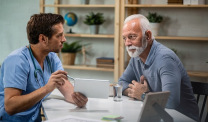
[{"x": 42, "y": 24}]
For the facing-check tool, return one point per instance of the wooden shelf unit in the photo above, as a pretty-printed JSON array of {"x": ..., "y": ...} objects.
[
  {"x": 164, "y": 6},
  {"x": 198, "y": 74},
  {"x": 115, "y": 8},
  {"x": 182, "y": 38},
  {"x": 87, "y": 67},
  {"x": 119, "y": 10},
  {"x": 90, "y": 35},
  {"x": 125, "y": 6},
  {"x": 157, "y": 37},
  {"x": 80, "y": 6},
  {"x": 170, "y": 6}
]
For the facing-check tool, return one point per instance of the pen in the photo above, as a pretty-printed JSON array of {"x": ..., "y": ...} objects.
[{"x": 70, "y": 77}]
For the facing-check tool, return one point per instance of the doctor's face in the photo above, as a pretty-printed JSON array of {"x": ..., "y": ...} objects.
[
  {"x": 134, "y": 40},
  {"x": 58, "y": 38}
]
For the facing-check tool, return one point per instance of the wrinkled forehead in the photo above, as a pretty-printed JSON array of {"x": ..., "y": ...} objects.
[{"x": 132, "y": 25}]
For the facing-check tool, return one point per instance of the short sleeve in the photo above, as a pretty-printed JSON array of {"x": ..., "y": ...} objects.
[{"x": 16, "y": 70}]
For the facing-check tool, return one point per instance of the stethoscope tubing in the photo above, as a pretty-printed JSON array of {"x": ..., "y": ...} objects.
[{"x": 36, "y": 69}]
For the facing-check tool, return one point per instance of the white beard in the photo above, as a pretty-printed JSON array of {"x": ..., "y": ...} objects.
[{"x": 138, "y": 51}]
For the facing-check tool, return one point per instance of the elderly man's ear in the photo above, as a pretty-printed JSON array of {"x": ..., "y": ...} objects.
[{"x": 148, "y": 35}]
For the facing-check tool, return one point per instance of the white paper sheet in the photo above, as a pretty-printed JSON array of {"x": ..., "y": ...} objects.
[{"x": 92, "y": 88}]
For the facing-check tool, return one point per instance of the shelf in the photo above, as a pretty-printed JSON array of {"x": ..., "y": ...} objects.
[
  {"x": 90, "y": 35},
  {"x": 80, "y": 6},
  {"x": 182, "y": 38},
  {"x": 87, "y": 67},
  {"x": 114, "y": 8},
  {"x": 165, "y": 6},
  {"x": 129, "y": 8},
  {"x": 198, "y": 74}
]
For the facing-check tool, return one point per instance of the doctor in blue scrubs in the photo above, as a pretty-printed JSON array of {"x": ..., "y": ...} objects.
[{"x": 31, "y": 73}]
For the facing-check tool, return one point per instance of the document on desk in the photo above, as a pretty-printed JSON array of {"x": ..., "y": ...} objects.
[
  {"x": 73, "y": 119},
  {"x": 92, "y": 88}
]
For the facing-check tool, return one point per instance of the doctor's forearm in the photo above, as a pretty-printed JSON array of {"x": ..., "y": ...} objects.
[{"x": 15, "y": 102}]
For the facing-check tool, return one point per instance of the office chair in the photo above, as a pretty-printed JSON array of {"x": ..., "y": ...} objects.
[{"x": 201, "y": 89}]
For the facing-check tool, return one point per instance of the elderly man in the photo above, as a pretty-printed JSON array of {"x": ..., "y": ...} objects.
[
  {"x": 29, "y": 74},
  {"x": 153, "y": 68}
]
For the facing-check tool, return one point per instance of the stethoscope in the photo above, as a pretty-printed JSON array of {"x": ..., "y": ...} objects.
[{"x": 39, "y": 70}]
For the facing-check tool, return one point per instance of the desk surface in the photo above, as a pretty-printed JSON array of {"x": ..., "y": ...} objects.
[{"x": 55, "y": 107}]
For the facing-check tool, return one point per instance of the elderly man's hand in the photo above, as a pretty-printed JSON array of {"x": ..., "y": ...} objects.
[
  {"x": 136, "y": 89},
  {"x": 79, "y": 99}
]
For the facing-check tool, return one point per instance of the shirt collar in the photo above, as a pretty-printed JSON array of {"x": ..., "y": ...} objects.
[{"x": 151, "y": 55}]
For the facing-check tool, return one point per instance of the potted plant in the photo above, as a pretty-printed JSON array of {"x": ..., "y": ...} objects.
[
  {"x": 94, "y": 20},
  {"x": 155, "y": 21},
  {"x": 69, "y": 51}
]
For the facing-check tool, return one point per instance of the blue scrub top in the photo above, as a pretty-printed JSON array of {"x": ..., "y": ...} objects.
[{"x": 17, "y": 71}]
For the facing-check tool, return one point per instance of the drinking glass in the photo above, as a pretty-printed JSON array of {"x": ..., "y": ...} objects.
[{"x": 117, "y": 88}]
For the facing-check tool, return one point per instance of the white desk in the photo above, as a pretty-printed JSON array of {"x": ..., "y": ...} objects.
[{"x": 97, "y": 108}]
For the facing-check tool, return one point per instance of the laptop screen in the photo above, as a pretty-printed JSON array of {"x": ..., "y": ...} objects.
[{"x": 153, "y": 107}]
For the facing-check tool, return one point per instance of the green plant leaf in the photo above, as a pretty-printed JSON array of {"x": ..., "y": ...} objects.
[
  {"x": 94, "y": 19},
  {"x": 72, "y": 47},
  {"x": 154, "y": 17}
]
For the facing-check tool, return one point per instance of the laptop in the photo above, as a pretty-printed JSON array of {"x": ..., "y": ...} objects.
[
  {"x": 153, "y": 108},
  {"x": 92, "y": 88}
]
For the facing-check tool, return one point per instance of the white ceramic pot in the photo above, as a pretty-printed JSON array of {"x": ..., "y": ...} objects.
[
  {"x": 155, "y": 28},
  {"x": 94, "y": 29}
]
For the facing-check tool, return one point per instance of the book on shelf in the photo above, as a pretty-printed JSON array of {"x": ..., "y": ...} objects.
[
  {"x": 105, "y": 65},
  {"x": 103, "y": 60},
  {"x": 175, "y": 1}
]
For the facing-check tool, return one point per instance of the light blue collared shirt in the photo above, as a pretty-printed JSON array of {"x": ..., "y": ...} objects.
[
  {"x": 164, "y": 72},
  {"x": 17, "y": 71}
]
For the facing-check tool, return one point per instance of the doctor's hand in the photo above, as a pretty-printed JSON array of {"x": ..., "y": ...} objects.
[
  {"x": 57, "y": 79},
  {"x": 136, "y": 89},
  {"x": 79, "y": 99}
]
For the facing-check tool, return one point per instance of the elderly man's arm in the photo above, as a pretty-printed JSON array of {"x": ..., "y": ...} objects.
[
  {"x": 127, "y": 78},
  {"x": 171, "y": 81}
]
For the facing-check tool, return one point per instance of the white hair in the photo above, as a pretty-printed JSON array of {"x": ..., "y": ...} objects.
[{"x": 144, "y": 22}]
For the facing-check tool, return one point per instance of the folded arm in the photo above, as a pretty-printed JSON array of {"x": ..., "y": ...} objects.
[{"x": 133, "y": 85}]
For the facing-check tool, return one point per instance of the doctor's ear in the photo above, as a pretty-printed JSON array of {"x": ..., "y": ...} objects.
[{"x": 43, "y": 38}]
